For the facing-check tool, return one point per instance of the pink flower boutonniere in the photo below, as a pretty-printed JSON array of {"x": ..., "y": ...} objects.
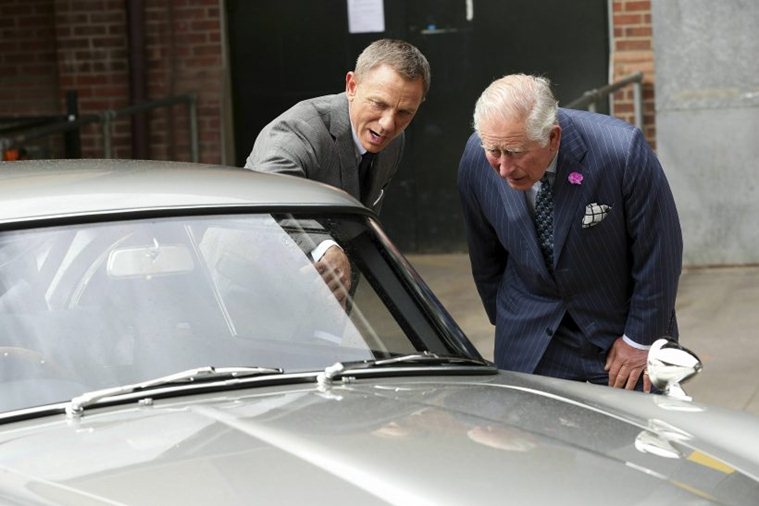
[{"x": 575, "y": 178}]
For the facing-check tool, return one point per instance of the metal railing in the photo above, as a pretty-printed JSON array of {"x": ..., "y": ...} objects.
[
  {"x": 106, "y": 118},
  {"x": 591, "y": 97}
]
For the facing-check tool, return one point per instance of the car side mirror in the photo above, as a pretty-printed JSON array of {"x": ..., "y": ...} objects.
[{"x": 670, "y": 364}]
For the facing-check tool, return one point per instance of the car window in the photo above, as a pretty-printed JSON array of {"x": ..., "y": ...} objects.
[{"x": 91, "y": 306}]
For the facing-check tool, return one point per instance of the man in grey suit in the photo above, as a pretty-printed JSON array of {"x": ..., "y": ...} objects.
[
  {"x": 326, "y": 138},
  {"x": 574, "y": 238}
]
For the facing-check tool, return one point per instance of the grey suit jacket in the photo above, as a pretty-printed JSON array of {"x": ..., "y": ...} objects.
[
  {"x": 617, "y": 277},
  {"x": 313, "y": 139}
]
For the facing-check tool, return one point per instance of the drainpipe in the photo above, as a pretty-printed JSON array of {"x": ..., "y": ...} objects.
[{"x": 138, "y": 82}]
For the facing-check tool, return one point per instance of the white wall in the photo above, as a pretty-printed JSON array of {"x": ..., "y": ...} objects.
[{"x": 707, "y": 123}]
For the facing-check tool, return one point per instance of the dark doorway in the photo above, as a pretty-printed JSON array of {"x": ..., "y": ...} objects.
[{"x": 283, "y": 51}]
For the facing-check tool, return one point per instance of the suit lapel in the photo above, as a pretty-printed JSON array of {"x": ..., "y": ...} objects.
[
  {"x": 519, "y": 218},
  {"x": 340, "y": 129},
  {"x": 568, "y": 197}
]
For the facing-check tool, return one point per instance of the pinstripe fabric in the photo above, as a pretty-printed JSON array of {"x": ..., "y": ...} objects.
[
  {"x": 617, "y": 277},
  {"x": 313, "y": 139},
  {"x": 563, "y": 360}
]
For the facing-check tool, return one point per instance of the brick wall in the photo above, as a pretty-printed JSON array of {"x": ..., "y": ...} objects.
[
  {"x": 50, "y": 46},
  {"x": 185, "y": 54},
  {"x": 28, "y": 74},
  {"x": 28, "y": 71},
  {"x": 633, "y": 51},
  {"x": 92, "y": 59}
]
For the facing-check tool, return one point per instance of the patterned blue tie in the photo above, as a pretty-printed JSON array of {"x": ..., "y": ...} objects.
[{"x": 544, "y": 220}]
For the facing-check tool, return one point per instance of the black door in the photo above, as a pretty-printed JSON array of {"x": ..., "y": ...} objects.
[{"x": 283, "y": 51}]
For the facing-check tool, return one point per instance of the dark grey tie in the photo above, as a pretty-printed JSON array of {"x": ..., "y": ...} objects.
[
  {"x": 544, "y": 220},
  {"x": 364, "y": 174}
]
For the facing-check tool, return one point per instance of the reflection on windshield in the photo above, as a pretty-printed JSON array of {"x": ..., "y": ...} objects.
[{"x": 95, "y": 306}]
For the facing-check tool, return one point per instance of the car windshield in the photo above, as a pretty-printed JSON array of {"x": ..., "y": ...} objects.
[{"x": 98, "y": 305}]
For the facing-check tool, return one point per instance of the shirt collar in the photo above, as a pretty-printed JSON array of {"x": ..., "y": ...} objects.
[
  {"x": 550, "y": 170},
  {"x": 533, "y": 191},
  {"x": 552, "y": 166},
  {"x": 360, "y": 149}
]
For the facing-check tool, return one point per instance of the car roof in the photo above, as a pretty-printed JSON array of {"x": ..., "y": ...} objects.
[{"x": 43, "y": 189}]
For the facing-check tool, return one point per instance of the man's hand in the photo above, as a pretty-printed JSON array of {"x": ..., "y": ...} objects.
[
  {"x": 626, "y": 365},
  {"x": 335, "y": 270}
]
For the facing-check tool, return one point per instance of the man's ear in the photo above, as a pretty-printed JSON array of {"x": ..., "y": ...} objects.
[
  {"x": 350, "y": 85},
  {"x": 554, "y": 138}
]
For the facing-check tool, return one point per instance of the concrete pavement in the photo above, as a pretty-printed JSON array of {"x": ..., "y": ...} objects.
[{"x": 716, "y": 309}]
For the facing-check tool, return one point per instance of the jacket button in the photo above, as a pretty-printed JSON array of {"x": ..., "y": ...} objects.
[{"x": 549, "y": 332}]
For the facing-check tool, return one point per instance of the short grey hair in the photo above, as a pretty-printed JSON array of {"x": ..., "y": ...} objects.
[
  {"x": 518, "y": 97},
  {"x": 399, "y": 55}
]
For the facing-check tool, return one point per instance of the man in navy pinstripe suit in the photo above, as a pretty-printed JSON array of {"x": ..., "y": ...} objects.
[{"x": 591, "y": 311}]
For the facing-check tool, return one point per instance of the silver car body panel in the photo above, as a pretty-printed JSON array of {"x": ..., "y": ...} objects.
[
  {"x": 511, "y": 438},
  {"x": 34, "y": 190}
]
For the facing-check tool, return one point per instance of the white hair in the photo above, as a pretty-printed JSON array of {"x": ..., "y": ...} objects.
[{"x": 519, "y": 97}]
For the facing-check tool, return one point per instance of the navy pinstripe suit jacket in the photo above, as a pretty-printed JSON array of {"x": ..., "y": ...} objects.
[{"x": 617, "y": 277}]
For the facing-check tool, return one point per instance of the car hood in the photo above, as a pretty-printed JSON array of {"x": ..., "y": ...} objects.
[{"x": 470, "y": 440}]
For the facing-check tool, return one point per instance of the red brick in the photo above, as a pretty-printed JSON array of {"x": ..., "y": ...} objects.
[
  {"x": 70, "y": 43},
  {"x": 108, "y": 42},
  {"x": 209, "y": 50},
  {"x": 191, "y": 13},
  {"x": 192, "y": 38},
  {"x": 27, "y": 22},
  {"x": 624, "y": 45},
  {"x": 90, "y": 80},
  {"x": 627, "y": 19},
  {"x": 210, "y": 62},
  {"x": 16, "y": 58},
  {"x": 86, "y": 5},
  {"x": 43, "y": 7},
  {"x": 638, "y": 6},
  {"x": 120, "y": 30},
  {"x": 638, "y": 31},
  {"x": 36, "y": 70},
  {"x": 112, "y": 17},
  {"x": 72, "y": 18},
  {"x": 8, "y": 46},
  {"x": 16, "y": 10},
  {"x": 205, "y": 25},
  {"x": 91, "y": 105}
]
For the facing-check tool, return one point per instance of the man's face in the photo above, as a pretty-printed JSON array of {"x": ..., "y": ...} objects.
[
  {"x": 382, "y": 105},
  {"x": 519, "y": 161}
]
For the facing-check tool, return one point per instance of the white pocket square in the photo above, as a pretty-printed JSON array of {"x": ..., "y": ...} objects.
[{"x": 594, "y": 214}]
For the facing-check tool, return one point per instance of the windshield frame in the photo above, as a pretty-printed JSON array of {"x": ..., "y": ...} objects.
[
  {"x": 423, "y": 318},
  {"x": 437, "y": 315}
]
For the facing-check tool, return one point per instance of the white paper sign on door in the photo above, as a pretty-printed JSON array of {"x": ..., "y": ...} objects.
[{"x": 366, "y": 16}]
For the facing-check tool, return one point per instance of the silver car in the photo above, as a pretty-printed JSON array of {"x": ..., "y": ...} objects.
[{"x": 165, "y": 338}]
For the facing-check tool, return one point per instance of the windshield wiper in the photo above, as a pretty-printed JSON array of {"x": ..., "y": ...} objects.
[
  {"x": 425, "y": 358},
  {"x": 76, "y": 406}
]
